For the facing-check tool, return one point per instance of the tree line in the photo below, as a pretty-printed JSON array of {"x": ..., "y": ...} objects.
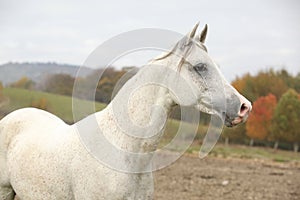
[{"x": 275, "y": 118}]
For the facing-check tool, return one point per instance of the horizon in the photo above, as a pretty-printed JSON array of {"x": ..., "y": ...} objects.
[{"x": 253, "y": 73}]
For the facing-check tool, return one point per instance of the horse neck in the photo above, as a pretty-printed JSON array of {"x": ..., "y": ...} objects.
[{"x": 136, "y": 108}]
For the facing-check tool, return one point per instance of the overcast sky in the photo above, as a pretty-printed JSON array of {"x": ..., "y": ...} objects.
[{"x": 244, "y": 36}]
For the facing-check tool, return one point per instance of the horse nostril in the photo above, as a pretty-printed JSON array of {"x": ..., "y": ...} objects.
[{"x": 244, "y": 110}]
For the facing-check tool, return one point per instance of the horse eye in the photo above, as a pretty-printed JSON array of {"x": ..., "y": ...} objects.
[{"x": 200, "y": 67}]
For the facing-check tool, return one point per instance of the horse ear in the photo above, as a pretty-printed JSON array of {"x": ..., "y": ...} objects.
[
  {"x": 203, "y": 34},
  {"x": 193, "y": 32}
]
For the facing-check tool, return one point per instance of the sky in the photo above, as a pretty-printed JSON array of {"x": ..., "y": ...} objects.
[{"x": 243, "y": 36}]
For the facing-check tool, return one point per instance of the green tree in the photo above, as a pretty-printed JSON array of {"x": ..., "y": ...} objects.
[
  {"x": 290, "y": 80},
  {"x": 235, "y": 135},
  {"x": 60, "y": 84},
  {"x": 286, "y": 120},
  {"x": 1, "y": 91},
  {"x": 297, "y": 83}
]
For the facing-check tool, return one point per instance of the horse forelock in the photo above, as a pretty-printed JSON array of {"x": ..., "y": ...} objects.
[{"x": 185, "y": 46}]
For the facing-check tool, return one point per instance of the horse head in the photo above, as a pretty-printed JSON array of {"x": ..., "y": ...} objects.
[{"x": 214, "y": 95}]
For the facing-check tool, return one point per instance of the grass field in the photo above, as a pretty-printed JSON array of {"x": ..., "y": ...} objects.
[
  {"x": 247, "y": 152},
  {"x": 57, "y": 104}
]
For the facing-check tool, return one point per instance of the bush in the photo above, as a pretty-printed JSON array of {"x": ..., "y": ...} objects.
[{"x": 42, "y": 103}]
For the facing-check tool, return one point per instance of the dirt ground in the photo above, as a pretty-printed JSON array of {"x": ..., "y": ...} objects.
[{"x": 227, "y": 178}]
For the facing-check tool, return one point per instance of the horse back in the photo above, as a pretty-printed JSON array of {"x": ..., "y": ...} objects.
[{"x": 25, "y": 120}]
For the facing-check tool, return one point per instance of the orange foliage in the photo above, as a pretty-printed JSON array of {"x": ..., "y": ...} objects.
[
  {"x": 24, "y": 82},
  {"x": 240, "y": 83},
  {"x": 265, "y": 82},
  {"x": 260, "y": 118},
  {"x": 41, "y": 103}
]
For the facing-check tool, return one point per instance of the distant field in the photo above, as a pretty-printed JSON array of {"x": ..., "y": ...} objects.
[{"x": 57, "y": 104}]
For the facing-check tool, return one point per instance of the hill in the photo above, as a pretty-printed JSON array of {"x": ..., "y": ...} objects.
[
  {"x": 57, "y": 104},
  {"x": 11, "y": 72}
]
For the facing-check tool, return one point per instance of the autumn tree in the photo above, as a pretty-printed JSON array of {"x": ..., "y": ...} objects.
[
  {"x": 286, "y": 120},
  {"x": 297, "y": 83},
  {"x": 265, "y": 82},
  {"x": 41, "y": 103},
  {"x": 105, "y": 87},
  {"x": 261, "y": 84},
  {"x": 24, "y": 83},
  {"x": 240, "y": 83},
  {"x": 259, "y": 122},
  {"x": 107, "y": 84}
]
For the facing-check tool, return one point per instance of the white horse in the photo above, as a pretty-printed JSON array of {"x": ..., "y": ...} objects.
[{"x": 41, "y": 157}]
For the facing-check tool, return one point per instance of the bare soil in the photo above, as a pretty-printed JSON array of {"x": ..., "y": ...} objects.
[{"x": 227, "y": 178}]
